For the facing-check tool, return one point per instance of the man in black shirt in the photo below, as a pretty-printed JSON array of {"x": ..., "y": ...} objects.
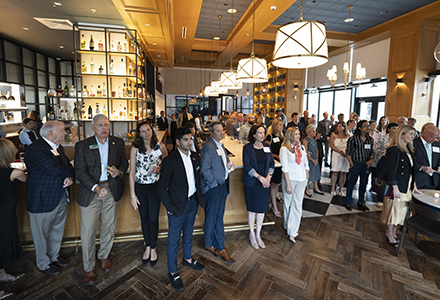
[
  {"x": 162, "y": 121},
  {"x": 360, "y": 156},
  {"x": 305, "y": 118},
  {"x": 296, "y": 123}
]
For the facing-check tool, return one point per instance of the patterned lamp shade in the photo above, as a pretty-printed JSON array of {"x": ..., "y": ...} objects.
[
  {"x": 252, "y": 70},
  {"x": 229, "y": 80},
  {"x": 300, "y": 45},
  {"x": 217, "y": 88},
  {"x": 209, "y": 92}
]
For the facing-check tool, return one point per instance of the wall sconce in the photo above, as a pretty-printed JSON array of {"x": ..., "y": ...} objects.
[
  {"x": 426, "y": 81},
  {"x": 248, "y": 92},
  {"x": 331, "y": 75},
  {"x": 399, "y": 82},
  {"x": 295, "y": 91}
]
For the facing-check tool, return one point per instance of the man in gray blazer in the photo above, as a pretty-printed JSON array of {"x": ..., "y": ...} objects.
[
  {"x": 99, "y": 166},
  {"x": 215, "y": 187}
]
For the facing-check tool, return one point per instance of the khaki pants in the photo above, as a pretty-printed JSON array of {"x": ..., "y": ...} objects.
[{"x": 108, "y": 209}]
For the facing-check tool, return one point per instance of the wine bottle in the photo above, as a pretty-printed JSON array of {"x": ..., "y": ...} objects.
[
  {"x": 90, "y": 111},
  {"x": 92, "y": 91},
  {"x": 124, "y": 115},
  {"x": 104, "y": 90},
  {"x": 124, "y": 91},
  {"x": 66, "y": 90},
  {"x": 59, "y": 91},
  {"x": 122, "y": 70},
  {"x": 104, "y": 110},
  {"x": 72, "y": 91},
  {"x": 83, "y": 43},
  {"x": 130, "y": 70},
  {"x": 130, "y": 91},
  {"x": 101, "y": 70},
  {"x": 113, "y": 93},
  {"x": 112, "y": 46},
  {"x": 125, "y": 44},
  {"x": 75, "y": 111},
  {"x": 91, "y": 43},
  {"x": 97, "y": 108},
  {"x": 120, "y": 111},
  {"x": 112, "y": 68}
]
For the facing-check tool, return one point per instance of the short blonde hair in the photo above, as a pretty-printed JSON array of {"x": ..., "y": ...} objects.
[
  {"x": 7, "y": 153},
  {"x": 398, "y": 141}
]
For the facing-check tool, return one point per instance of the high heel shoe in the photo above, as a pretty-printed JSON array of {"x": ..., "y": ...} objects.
[
  {"x": 253, "y": 242},
  {"x": 396, "y": 244},
  {"x": 261, "y": 243},
  {"x": 145, "y": 261},
  {"x": 340, "y": 193},
  {"x": 333, "y": 193},
  {"x": 308, "y": 195},
  {"x": 318, "y": 192}
]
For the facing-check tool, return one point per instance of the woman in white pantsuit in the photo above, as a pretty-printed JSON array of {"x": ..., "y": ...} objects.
[{"x": 295, "y": 167}]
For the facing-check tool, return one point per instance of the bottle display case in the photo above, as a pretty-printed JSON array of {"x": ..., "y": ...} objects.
[
  {"x": 11, "y": 110},
  {"x": 110, "y": 77}
]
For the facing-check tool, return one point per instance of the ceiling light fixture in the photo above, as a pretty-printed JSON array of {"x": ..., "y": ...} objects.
[
  {"x": 273, "y": 7},
  {"x": 25, "y": 28},
  {"x": 348, "y": 20},
  {"x": 208, "y": 89},
  {"x": 232, "y": 10},
  {"x": 93, "y": 10},
  {"x": 61, "y": 47},
  {"x": 147, "y": 25},
  {"x": 252, "y": 69},
  {"x": 216, "y": 38},
  {"x": 154, "y": 44},
  {"x": 55, "y": 4},
  {"x": 301, "y": 44},
  {"x": 228, "y": 79},
  {"x": 215, "y": 84}
]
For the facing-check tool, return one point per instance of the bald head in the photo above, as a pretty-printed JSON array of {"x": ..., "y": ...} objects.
[
  {"x": 430, "y": 134},
  {"x": 402, "y": 121}
]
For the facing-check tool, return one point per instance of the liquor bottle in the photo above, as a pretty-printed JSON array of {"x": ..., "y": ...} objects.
[
  {"x": 114, "y": 115},
  {"x": 124, "y": 115},
  {"x": 59, "y": 91},
  {"x": 83, "y": 43},
  {"x": 119, "y": 47},
  {"x": 130, "y": 91},
  {"x": 66, "y": 90},
  {"x": 122, "y": 70},
  {"x": 104, "y": 90},
  {"x": 85, "y": 92},
  {"x": 119, "y": 92},
  {"x": 104, "y": 110},
  {"x": 132, "y": 48},
  {"x": 84, "y": 67},
  {"x": 69, "y": 113},
  {"x": 99, "y": 92},
  {"x": 113, "y": 93},
  {"x": 92, "y": 65},
  {"x": 91, "y": 43},
  {"x": 83, "y": 112},
  {"x": 112, "y": 46},
  {"x": 112, "y": 68},
  {"x": 124, "y": 91},
  {"x": 90, "y": 111},
  {"x": 51, "y": 116},
  {"x": 130, "y": 115},
  {"x": 75, "y": 111},
  {"x": 72, "y": 92},
  {"x": 125, "y": 44},
  {"x": 120, "y": 111},
  {"x": 101, "y": 70},
  {"x": 97, "y": 108},
  {"x": 130, "y": 70},
  {"x": 92, "y": 91},
  {"x": 134, "y": 71},
  {"x": 58, "y": 112},
  {"x": 100, "y": 46},
  {"x": 63, "y": 114}
]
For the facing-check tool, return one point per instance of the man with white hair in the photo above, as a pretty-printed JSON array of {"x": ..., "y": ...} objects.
[
  {"x": 402, "y": 121},
  {"x": 47, "y": 194},
  {"x": 100, "y": 163}
]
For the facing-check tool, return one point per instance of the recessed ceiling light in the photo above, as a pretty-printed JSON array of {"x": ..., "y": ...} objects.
[
  {"x": 25, "y": 28},
  {"x": 147, "y": 25},
  {"x": 154, "y": 44},
  {"x": 348, "y": 20},
  {"x": 247, "y": 33},
  {"x": 161, "y": 64},
  {"x": 55, "y": 4},
  {"x": 58, "y": 58},
  {"x": 232, "y": 10},
  {"x": 273, "y": 7},
  {"x": 216, "y": 38},
  {"x": 158, "y": 55},
  {"x": 61, "y": 47},
  {"x": 93, "y": 10}
]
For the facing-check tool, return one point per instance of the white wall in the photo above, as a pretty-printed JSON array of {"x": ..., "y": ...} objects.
[{"x": 374, "y": 57}]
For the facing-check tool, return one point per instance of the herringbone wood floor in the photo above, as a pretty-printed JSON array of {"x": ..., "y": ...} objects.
[{"x": 336, "y": 257}]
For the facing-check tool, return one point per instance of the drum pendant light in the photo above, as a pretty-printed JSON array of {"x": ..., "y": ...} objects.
[
  {"x": 252, "y": 69},
  {"x": 301, "y": 44},
  {"x": 215, "y": 85}
]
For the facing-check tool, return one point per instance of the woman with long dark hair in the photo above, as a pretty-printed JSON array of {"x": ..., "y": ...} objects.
[{"x": 146, "y": 157}]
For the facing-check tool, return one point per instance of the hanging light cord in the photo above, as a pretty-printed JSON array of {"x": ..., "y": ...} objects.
[
  {"x": 219, "y": 42},
  {"x": 232, "y": 32},
  {"x": 301, "y": 11},
  {"x": 253, "y": 32},
  {"x": 349, "y": 18}
]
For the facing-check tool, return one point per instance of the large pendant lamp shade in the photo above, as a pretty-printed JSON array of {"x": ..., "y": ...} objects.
[
  {"x": 252, "y": 70},
  {"x": 217, "y": 88},
  {"x": 301, "y": 44},
  {"x": 209, "y": 92},
  {"x": 229, "y": 81}
]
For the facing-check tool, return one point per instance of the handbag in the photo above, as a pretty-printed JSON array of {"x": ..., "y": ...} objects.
[{"x": 388, "y": 191}]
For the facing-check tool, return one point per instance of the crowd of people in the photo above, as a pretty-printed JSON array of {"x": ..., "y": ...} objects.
[{"x": 196, "y": 173}]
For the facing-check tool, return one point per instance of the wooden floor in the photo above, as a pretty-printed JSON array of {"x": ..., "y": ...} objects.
[{"x": 336, "y": 257}]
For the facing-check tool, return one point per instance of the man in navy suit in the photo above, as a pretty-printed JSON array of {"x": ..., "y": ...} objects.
[
  {"x": 215, "y": 187},
  {"x": 47, "y": 193},
  {"x": 162, "y": 121},
  {"x": 427, "y": 158},
  {"x": 100, "y": 164},
  {"x": 180, "y": 193}
]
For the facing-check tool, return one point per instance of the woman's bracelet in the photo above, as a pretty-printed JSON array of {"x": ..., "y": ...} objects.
[{"x": 132, "y": 196}]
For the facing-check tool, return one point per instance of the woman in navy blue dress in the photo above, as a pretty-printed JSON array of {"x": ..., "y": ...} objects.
[{"x": 258, "y": 164}]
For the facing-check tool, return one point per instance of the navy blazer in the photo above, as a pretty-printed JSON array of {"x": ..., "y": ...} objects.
[
  {"x": 421, "y": 159},
  {"x": 250, "y": 163},
  {"x": 46, "y": 174},
  {"x": 398, "y": 168},
  {"x": 172, "y": 186},
  {"x": 212, "y": 167}
]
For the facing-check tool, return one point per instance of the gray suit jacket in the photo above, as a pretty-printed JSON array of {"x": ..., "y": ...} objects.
[
  {"x": 88, "y": 167},
  {"x": 212, "y": 167}
]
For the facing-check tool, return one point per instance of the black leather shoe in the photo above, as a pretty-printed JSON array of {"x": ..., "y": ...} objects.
[
  {"x": 363, "y": 206},
  {"x": 153, "y": 262},
  {"x": 348, "y": 206},
  {"x": 193, "y": 264},
  {"x": 176, "y": 282},
  {"x": 51, "y": 270},
  {"x": 61, "y": 262},
  {"x": 318, "y": 192},
  {"x": 145, "y": 261}
]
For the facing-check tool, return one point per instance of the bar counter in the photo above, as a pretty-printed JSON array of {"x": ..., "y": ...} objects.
[{"x": 128, "y": 225}]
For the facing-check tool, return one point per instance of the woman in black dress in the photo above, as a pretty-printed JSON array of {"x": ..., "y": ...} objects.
[
  {"x": 10, "y": 246},
  {"x": 275, "y": 137},
  {"x": 258, "y": 165}
]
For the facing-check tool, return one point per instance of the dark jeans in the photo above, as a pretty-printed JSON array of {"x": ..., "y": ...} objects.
[
  {"x": 214, "y": 230},
  {"x": 176, "y": 225},
  {"x": 149, "y": 211},
  {"x": 358, "y": 169}
]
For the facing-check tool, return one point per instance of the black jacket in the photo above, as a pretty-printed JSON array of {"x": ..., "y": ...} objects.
[
  {"x": 421, "y": 159},
  {"x": 398, "y": 168}
]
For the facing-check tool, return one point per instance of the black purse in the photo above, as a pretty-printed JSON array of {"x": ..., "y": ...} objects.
[{"x": 388, "y": 192}]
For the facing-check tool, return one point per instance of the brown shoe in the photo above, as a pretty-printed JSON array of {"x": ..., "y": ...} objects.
[
  {"x": 90, "y": 277},
  {"x": 106, "y": 265},
  {"x": 225, "y": 256},
  {"x": 211, "y": 249}
]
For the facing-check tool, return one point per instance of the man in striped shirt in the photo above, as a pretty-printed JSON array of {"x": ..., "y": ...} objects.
[{"x": 360, "y": 156}]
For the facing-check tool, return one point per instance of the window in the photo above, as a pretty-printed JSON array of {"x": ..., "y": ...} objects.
[
  {"x": 342, "y": 103},
  {"x": 313, "y": 106},
  {"x": 325, "y": 104}
]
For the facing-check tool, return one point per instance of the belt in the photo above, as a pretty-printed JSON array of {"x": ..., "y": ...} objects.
[
  {"x": 362, "y": 162},
  {"x": 190, "y": 197},
  {"x": 102, "y": 182}
]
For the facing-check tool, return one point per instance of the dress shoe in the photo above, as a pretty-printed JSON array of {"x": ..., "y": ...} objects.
[
  {"x": 348, "y": 206},
  {"x": 5, "y": 295},
  {"x": 145, "y": 261},
  {"x": 341, "y": 193},
  {"x": 308, "y": 195},
  {"x": 51, "y": 270},
  {"x": 225, "y": 256},
  {"x": 193, "y": 264},
  {"x": 176, "y": 282},
  {"x": 261, "y": 243},
  {"x": 292, "y": 239},
  {"x": 253, "y": 242},
  {"x": 14, "y": 278},
  {"x": 363, "y": 206},
  {"x": 61, "y": 262},
  {"x": 90, "y": 277},
  {"x": 318, "y": 192},
  {"x": 211, "y": 249},
  {"x": 153, "y": 262},
  {"x": 106, "y": 265}
]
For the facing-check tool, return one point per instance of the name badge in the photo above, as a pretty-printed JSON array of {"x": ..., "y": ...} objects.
[
  {"x": 266, "y": 149},
  {"x": 276, "y": 139},
  {"x": 219, "y": 152},
  {"x": 93, "y": 147},
  {"x": 435, "y": 149},
  {"x": 238, "y": 129},
  {"x": 367, "y": 146},
  {"x": 54, "y": 152}
]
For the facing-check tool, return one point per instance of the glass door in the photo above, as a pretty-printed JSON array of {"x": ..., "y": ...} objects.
[{"x": 371, "y": 108}]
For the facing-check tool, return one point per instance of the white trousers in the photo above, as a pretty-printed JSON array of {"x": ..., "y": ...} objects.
[{"x": 293, "y": 205}]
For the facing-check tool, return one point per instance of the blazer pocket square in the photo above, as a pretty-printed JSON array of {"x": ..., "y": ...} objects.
[{"x": 198, "y": 168}]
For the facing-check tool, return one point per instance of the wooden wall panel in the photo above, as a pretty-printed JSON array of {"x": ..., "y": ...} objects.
[{"x": 401, "y": 56}]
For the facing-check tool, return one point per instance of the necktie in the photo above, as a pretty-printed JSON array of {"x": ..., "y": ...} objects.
[{"x": 429, "y": 153}]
